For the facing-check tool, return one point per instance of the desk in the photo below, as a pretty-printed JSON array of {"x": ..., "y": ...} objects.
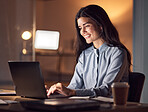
[{"x": 131, "y": 107}]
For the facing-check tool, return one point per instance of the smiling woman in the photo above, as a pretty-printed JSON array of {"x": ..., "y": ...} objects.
[
  {"x": 101, "y": 58},
  {"x": 47, "y": 18},
  {"x": 90, "y": 31}
]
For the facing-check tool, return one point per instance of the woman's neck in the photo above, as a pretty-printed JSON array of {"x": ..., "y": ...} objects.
[{"x": 98, "y": 43}]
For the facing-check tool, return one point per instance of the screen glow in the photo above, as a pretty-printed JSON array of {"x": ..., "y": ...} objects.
[{"x": 47, "y": 39}]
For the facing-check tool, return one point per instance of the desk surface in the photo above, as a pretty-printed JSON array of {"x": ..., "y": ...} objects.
[{"x": 15, "y": 106}]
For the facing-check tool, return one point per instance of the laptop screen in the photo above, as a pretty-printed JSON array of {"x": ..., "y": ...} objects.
[{"x": 28, "y": 79}]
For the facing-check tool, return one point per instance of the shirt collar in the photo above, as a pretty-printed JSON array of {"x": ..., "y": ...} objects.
[{"x": 101, "y": 49}]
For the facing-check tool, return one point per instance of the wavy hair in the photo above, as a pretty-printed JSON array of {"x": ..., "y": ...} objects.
[{"x": 109, "y": 33}]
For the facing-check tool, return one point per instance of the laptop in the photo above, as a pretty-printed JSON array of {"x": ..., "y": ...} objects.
[
  {"x": 29, "y": 83},
  {"x": 28, "y": 79}
]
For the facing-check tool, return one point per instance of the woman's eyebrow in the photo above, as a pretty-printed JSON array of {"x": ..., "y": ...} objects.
[{"x": 85, "y": 23}]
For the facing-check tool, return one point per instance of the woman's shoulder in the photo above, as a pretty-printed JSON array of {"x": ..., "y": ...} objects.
[
  {"x": 114, "y": 50},
  {"x": 88, "y": 50},
  {"x": 104, "y": 48}
]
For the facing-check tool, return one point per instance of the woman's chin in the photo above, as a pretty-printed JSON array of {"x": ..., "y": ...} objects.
[{"x": 88, "y": 42}]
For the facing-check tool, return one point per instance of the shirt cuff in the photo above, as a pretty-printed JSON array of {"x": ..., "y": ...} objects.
[{"x": 85, "y": 92}]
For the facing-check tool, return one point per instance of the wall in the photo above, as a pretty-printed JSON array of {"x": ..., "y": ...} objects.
[
  {"x": 15, "y": 17},
  {"x": 59, "y": 15},
  {"x": 140, "y": 40}
]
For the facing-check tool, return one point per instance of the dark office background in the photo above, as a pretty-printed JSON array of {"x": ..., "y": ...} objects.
[{"x": 16, "y": 16}]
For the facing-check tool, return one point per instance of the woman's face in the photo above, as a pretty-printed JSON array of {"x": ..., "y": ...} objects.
[{"x": 89, "y": 29}]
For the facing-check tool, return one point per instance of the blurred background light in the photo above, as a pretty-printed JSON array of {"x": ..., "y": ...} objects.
[
  {"x": 26, "y": 35},
  {"x": 47, "y": 39}
]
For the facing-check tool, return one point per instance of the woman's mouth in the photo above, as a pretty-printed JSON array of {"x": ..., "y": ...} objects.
[{"x": 87, "y": 36}]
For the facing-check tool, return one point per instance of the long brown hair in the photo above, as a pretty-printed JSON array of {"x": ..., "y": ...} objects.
[{"x": 109, "y": 33}]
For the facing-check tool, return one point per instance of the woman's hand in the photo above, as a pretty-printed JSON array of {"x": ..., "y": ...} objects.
[{"x": 59, "y": 88}]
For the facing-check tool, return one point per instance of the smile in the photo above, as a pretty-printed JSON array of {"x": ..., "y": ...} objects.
[{"x": 87, "y": 36}]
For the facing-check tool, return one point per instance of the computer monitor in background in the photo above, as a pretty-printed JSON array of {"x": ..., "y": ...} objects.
[{"x": 47, "y": 40}]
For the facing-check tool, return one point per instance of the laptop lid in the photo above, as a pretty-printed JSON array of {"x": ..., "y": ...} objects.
[{"x": 28, "y": 79}]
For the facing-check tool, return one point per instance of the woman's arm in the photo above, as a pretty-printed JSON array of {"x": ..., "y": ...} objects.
[
  {"x": 61, "y": 89},
  {"x": 76, "y": 82},
  {"x": 116, "y": 71}
]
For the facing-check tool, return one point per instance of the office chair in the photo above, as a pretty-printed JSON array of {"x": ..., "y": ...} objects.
[{"x": 136, "y": 82}]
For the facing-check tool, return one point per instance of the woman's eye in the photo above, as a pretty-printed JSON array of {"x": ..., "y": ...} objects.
[{"x": 87, "y": 25}]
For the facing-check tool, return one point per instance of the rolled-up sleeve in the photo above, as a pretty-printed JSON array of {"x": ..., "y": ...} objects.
[
  {"x": 77, "y": 79},
  {"x": 112, "y": 74}
]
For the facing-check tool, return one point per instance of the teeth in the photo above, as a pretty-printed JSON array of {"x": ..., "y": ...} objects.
[{"x": 87, "y": 36}]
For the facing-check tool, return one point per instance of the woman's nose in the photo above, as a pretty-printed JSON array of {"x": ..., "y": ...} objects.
[{"x": 83, "y": 30}]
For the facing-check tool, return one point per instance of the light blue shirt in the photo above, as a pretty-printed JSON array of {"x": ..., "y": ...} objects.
[{"x": 97, "y": 69}]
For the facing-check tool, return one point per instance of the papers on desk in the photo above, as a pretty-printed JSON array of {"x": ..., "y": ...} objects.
[
  {"x": 7, "y": 92},
  {"x": 104, "y": 102},
  {"x": 2, "y": 102},
  {"x": 79, "y": 97},
  {"x": 100, "y": 98},
  {"x": 10, "y": 101},
  {"x": 104, "y": 99}
]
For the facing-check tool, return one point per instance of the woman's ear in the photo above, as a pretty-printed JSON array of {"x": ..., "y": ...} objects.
[{"x": 101, "y": 30}]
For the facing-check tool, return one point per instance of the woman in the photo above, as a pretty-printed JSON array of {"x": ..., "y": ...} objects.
[{"x": 101, "y": 58}]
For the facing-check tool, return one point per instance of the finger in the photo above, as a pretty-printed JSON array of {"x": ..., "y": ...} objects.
[
  {"x": 61, "y": 89},
  {"x": 45, "y": 86},
  {"x": 51, "y": 90}
]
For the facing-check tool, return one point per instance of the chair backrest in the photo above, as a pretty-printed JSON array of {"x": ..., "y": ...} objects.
[{"x": 136, "y": 82}]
